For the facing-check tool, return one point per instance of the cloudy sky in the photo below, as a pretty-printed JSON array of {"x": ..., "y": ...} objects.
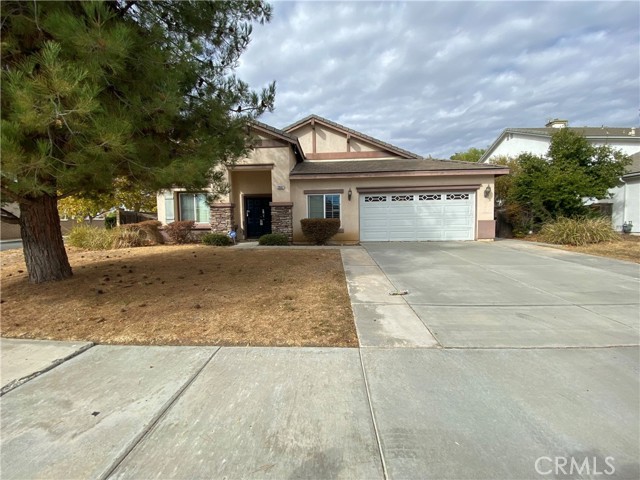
[{"x": 440, "y": 77}]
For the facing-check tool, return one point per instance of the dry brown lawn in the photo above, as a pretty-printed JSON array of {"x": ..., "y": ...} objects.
[
  {"x": 184, "y": 295},
  {"x": 627, "y": 248}
]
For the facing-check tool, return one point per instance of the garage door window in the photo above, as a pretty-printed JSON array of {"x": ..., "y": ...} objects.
[
  {"x": 429, "y": 197},
  {"x": 457, "y": 196},
  {"x": 324, "y": 206}
]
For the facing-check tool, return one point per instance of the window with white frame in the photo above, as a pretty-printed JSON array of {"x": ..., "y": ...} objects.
[
  {"x": 194, "y": 206},
  {"x": 323, "y": 206}
]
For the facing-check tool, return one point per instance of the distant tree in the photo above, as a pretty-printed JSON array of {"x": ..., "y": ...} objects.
[
  {"x": 124, "y": 195},
  {"x": 96, "y": 91},
  {"x": 81, "y": 208},
  {"x": 471, "y": 155},
  {"x": 546, "y": 188}
]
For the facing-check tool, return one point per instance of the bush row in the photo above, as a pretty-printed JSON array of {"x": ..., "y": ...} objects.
[
  {"x": 317, "y": 230},
  {"x": 125, "y": 236},
  {"x": 578, "y": 231}
]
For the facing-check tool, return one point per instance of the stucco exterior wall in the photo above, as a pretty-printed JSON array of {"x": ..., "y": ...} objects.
[
  {"x": 514, "y": 144},
  {"x": 350, "y": 210},
  {"x": 283, "y": 161},
  {"x": 626, "y": 207},
  {"x": 329, "y": 140},
  {"x": 305, "y": 138}
]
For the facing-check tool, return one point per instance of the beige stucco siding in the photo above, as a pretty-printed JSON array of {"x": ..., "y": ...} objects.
[
  {"x": 305, "y": 138},
  {"x": 329, "y": 140},
  {"x": 350, "y": 213},
  {"x": 283, "y": 161}
]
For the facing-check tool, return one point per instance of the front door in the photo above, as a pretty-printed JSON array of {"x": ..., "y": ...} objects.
[{"x": 258, "y": 215}]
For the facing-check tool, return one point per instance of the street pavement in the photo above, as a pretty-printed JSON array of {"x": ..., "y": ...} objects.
[{"x": 476, "y": 360}]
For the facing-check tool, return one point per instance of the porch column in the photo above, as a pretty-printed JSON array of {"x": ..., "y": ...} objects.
[
  {"x": 282, "y": 218},
  {"x": 221, "y": 217}
]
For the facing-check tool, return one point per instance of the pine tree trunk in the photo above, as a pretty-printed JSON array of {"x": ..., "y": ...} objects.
[{"x": 42, "y": 242}]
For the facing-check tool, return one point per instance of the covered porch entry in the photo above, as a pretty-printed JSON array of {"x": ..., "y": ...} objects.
[{"x": 251, "y": 196}]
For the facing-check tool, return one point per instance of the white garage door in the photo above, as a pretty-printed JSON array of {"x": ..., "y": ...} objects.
[{"x": 417, "y": 216}]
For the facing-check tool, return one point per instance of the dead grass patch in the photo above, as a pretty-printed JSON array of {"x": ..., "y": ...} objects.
[
  {"x": 184, "y": 295},
  {"x": 627, "y": 248}
]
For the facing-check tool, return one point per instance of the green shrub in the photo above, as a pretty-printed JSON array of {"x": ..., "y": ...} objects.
[
  {"x": 216, "y": 239},
  {"x": 273, "y": 239},
  {"x": 180, "y": 232},
  {"x": 319, "y": 230},
  {"x": 578, "y": 231},
  {"x": 110, "y": 220},
  {"x": 91, "y": 238}
]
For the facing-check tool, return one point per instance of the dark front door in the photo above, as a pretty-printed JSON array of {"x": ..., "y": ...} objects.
[{"x": 258, "y": 215}]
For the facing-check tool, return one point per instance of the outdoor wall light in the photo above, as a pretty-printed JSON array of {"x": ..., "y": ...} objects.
[
  {"x": 349, "y": 194},
  {"x": 487, "y": 191}
]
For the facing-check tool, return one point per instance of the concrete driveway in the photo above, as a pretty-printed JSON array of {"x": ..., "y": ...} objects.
[
  {"x": 503, "y": 294},
  {"x": 482, "y": 370},
  {"x": 499, "y": 360}
]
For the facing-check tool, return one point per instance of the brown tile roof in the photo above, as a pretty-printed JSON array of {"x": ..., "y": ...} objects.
[
  {"x": 355, "y": 133},
  {"x": 387, "y": 166},
  {"x": 276, "y": 131}
]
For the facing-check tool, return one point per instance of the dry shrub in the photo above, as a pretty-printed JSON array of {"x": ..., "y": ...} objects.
[
  {"x": 150, "y": 230},
  {"x": 578, "y": 231},
  {"x": 319, "y": 230},
  {"x": 91, "y": 238},
  {"x": 180, "y": 232},
  {"x": 126, "y": 237}
]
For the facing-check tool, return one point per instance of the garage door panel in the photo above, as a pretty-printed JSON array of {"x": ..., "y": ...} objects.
[{"x": 427, "y": 216}]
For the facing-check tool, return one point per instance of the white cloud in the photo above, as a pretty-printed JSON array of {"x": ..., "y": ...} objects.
[{"x": 441, "y": 77}]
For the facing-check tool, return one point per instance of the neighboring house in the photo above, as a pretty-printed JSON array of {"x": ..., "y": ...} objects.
[
  {"x": 626, "y": 197},
  {"x": 316, "y": 168},
  {"x": 625, "y": 200}
]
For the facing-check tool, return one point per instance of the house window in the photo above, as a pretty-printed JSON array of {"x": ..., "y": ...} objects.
[
  {"x": 194, "y": 206},
  {"x": 324, "y": 206}
]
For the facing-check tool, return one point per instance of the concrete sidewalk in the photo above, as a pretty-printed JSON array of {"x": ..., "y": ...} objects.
[{"x": 401, "y": 406}]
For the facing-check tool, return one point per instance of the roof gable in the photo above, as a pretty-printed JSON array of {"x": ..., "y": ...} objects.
[
  {"x": 353, "y": 145},
  {"x": 278, "y": 135}
]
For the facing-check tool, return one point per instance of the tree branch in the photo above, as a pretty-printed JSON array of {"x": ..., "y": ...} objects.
[
  {"x": 12, "y": 196},
  {"x": 8, "y": 217}
]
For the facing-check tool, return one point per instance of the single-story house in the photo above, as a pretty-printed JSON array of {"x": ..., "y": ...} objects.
[
  {"x": 316, "y": 168},
  {"x": 624, "y": 204}
]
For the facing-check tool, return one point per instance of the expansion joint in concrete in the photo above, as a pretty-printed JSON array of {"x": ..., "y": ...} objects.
[
  {"x": 156, "y": 419},
  {"x": 21, "y": 381},
  {"x": 373, "y": 417}
]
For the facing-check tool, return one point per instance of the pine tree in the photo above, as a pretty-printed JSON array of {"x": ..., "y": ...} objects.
[{"x": 94, "y": 91}]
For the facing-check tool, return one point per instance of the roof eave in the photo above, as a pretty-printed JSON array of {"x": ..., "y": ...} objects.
[{"x": 405, "y": 173}]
